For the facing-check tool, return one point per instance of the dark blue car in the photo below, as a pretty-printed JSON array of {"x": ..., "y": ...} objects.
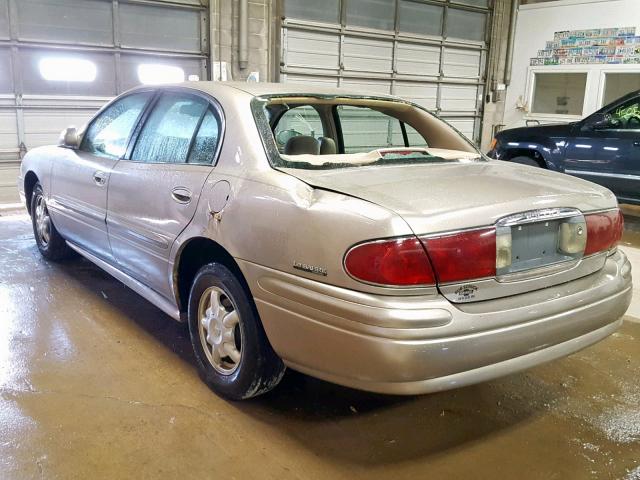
[{"x": 603, "y": 148}]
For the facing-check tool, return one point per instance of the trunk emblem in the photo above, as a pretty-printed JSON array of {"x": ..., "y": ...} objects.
[{"x": 466, "y": 293}]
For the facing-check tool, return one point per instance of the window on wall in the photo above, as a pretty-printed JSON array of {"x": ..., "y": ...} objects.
[
  {"x": 619, "y": 84},
  {"x": 475, "y": 3},
  {"x": 157, "y": 74},
  {"x": 64, "y": 69},
  {"x": 379, "y": 14},
  {"x": 465, "y": 24},
  {"x": 420, "y": 18},
  {"x": 327, "y": 11},
  {"x": 559, "y": 93}
]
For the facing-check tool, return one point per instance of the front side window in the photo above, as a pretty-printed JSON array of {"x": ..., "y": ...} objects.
[
  {"x": 108, "y": 134},
  {"x": 626, "y": 116},
  {"x": 167, "y": 133}
]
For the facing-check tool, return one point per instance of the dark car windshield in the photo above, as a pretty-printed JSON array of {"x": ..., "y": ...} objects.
[{"x": 317, "y": 133}]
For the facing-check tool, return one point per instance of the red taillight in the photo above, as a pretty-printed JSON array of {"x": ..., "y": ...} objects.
[
  {"x": 398, "y": 262},
  {"x": 604, "y": 231},
  {"x": 463, "y": 256}
]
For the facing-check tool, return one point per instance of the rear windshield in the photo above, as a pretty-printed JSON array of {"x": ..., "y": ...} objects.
[{"x": 316, "y": 133}]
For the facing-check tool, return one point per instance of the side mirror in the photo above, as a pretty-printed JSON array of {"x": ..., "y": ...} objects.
[
  {"x": 597, "y": 121},
  {"x": 69, "y": 138}
]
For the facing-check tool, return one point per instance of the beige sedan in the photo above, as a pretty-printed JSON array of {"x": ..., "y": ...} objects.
[{"x": 358, "y": 239}]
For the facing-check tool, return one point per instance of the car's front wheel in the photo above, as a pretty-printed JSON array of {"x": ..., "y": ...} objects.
[
  {"x": 235, "y": 358},
  {"x": 50, "y": 243}
]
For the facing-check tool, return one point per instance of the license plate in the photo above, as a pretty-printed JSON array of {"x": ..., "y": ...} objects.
[{"x": 535, "y": 245}]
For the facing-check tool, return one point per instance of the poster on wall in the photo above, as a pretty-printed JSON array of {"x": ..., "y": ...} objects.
[{"x": 598, "y": 45}]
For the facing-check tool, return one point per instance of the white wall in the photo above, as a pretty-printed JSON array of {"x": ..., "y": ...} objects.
[{"x": 537, "y": 23}]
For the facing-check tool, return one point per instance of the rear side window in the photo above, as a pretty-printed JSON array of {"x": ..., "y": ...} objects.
[
  {"x": 108, "y": 134},
  {"x": 206, "y": 141},
  {"x": 167, "y": 133},
  {"x": 365, "y": 129}
]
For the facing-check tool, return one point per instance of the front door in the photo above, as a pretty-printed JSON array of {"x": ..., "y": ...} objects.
[
  {"x": 610, "y": 154},
  {"x": 80, "y": 177},
  {"x": 153, "y": 195}
]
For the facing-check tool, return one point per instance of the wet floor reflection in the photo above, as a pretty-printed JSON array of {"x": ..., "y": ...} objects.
[{"x": 95, "y": 379}]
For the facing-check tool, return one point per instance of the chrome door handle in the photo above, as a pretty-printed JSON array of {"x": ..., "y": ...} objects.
[
  {"x": 181, "y": 195},
  {"x": 100, "y": 178}
]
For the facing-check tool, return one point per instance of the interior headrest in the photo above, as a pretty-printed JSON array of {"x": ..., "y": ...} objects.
[
  {"x": 302, "y": 144},
  {"x": 327, "y": 146}
]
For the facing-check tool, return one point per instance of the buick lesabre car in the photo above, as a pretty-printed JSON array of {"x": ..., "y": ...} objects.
[{"x": 358, "y": 239}]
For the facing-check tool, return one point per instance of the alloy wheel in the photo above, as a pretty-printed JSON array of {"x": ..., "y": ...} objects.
[{"x": 219, "y": 329}]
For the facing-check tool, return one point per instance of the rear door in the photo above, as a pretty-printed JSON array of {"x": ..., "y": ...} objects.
[
  {"x": 81, "y": 177},
  {"x": 153, "y": 194}
]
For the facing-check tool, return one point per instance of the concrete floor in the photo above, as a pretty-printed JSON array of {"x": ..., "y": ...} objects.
[{"x": 97, "y": 383}]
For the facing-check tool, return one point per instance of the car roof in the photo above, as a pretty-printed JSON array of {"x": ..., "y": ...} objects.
[{"x": 257, "y": 89}]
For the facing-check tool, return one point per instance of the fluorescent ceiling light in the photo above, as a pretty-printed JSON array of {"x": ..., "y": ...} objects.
[
  {"x": 65, "y": 69},
  {"x": 156, "y": 74}
]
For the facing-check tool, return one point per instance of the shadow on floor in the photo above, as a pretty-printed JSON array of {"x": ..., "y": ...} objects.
[{"x": 348, "y": 425}]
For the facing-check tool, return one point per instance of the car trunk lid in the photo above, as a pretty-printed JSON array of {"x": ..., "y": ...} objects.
[{"x": 451, "y": 196}]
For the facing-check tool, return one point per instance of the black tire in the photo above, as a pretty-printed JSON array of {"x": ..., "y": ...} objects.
[
  {"x": 259, "y": 369},
  {"x": 52, "y": 246},
  {"x": 522, "y": 160}
]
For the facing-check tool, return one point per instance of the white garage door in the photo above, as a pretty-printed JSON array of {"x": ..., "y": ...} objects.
[
  {"x": 60, "y": 60},
  {"x": 430, "y": 52}
]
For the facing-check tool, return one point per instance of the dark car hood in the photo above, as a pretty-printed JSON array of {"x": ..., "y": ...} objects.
[{"x": 522, "y": 133}]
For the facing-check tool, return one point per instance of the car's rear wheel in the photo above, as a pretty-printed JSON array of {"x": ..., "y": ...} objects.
[
  {"x": 522, "y": 160},
  {"x": 235, "y": 358},
  {"x": 50, "y": 243}
]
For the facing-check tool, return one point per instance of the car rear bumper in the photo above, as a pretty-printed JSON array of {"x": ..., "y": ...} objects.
[{"x": 411, "y": 345}]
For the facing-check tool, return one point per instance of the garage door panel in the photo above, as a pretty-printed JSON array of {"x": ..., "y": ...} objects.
[
  {"x": 464, "y": 125},
  {"x": 461, "y": 63},
  {"x": 416, "y": 59},
  {"x": 43, "y": 127},
  {"x": 34, "y": 82},
  {"x": 368, "y": 55},
  {"x": 459, "y": 98},
  {"x": 4, "y": 18},
  {"x": 129, "y": 67},
  {"x": 367, "y": 86},
  {"x": 318, "y": 81},
  {"x": 6, "y": 78},
  {"x": 314, "y": 50},
  {"x": 147, "y": 26},
  {"x": 424, "y": 94},
  {"x": 8, "y": 130},
  {"x": 363, "y": 131},
  {"x": 75, "y": 21},
  {"x": 8, "y": 181}
]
